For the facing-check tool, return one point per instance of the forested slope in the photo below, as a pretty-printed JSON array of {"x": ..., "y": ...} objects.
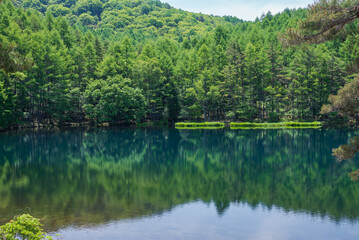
[
  {"x": 138, "y": 18},
  {"x": 58, "y": 67}
]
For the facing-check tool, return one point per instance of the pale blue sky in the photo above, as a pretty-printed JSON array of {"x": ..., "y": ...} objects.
[{"x": 244, "y": 9}]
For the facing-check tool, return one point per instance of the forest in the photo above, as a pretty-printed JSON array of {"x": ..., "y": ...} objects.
[{"x": 131, "y": 62}]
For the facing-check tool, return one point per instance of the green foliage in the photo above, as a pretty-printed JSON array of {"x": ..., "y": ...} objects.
[
  {"x": 94, "y": 7},
  {"x": 273, "y": 117},
  {"x": 346, "y": 102},
  {"x": 325, "y": 20},
  {"x": 346, "y": 105},
  {"x": 199, "y": 125},
  {"x": 277, "y": 125},
  {"x": 114, "y": 101},
  {"x": 150, "y": 18},
  {"x": 23, "y": 227},
  {"x": 334, "y": 119},
  {"x": 177, "y": 65}
]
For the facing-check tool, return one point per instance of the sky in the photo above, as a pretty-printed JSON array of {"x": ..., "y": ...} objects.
[{"x": 243, "y": 9}]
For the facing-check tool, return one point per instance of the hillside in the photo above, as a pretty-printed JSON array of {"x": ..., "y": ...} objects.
[
  {"x": 190, "y": 67},
  {"x": 141, "y": 18}
]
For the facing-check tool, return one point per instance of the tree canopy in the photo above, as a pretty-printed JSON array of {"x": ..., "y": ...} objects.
[
  {"x": 325, "y": 19},
  {"x": 86, "y": 61}
]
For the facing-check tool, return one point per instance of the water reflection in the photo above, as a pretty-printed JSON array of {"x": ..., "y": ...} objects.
[{"x": 88, "y": 177}]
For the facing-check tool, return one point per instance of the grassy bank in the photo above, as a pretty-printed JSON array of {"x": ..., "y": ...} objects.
[
  {"x": 210, "y": 128},
  {"x": 204, "y": 125},
  {"x": 276, "y": 125}
]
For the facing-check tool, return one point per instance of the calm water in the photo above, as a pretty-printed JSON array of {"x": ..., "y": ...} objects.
[{"x": 168, "y": 184}]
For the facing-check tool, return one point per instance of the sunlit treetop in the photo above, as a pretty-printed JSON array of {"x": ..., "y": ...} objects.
[{"x": 325, "y": 20}]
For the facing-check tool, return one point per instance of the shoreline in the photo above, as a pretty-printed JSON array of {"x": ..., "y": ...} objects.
[{"x": 180, "y": 126}]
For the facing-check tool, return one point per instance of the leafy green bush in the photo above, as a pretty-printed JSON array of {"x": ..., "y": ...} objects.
[
  {"x": 23, "y": 227},
  {"x": 114, "y": 100}
]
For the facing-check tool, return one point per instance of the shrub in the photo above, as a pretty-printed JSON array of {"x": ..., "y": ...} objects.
[{"x": 23, "y": 227}]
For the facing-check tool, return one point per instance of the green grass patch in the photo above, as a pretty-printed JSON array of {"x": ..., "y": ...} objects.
[
  {"x": 204, "y": 125},
  {"x": 247, "y": 125},
  {"x": 246, "y": 128},
  {"x": 210, "y": 128}
]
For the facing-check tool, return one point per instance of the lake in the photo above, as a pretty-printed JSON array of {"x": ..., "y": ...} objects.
[{"x": 123, "y": 183}]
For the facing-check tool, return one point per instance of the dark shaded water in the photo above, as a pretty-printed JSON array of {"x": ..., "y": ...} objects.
[{"x": 190, "y": 184}]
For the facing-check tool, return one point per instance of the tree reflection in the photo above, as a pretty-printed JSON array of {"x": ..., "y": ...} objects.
[{"x": 93, "y": 176}]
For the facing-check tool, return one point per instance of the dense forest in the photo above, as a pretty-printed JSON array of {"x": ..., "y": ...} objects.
[{"x": 123, "y": 61}]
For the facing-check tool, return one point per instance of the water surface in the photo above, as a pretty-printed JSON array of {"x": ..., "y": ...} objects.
[{"x": 118, "y": 183}]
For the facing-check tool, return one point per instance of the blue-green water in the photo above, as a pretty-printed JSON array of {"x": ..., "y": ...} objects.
[{"x": 117, "y": 183}]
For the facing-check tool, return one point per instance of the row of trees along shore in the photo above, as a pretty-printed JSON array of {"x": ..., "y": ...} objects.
[{"x": 161, "y": 65}]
